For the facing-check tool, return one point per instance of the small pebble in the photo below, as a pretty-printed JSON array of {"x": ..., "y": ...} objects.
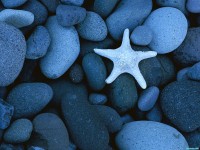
[
  {"x": 73, "y": 2},
  {"x": 148, "y": 98},
  {"x": 97, "y": 99},
  {"x": 141, "y": 35},
  {"x": 70, "y": 15},
  {"x": 182, "y": 74},
  {"x": 13, "y": 4},
  {"x": 76, "y": 73},
  {"x": 154, "y": 114},
  {"x": 193, "y": 6},
  {"x": 51, "y": 5},
  {"x": 194, "y": 72},
  {"x": 193, "y": 139},
  {"x": 93, "y": 27},
  {"x": 19, "y": 131},
  {"x": 5, "y": 146},
  {"x": 6, "y": 113},
  {"x": 127, "y": 118},
  {"x": 35, "y": 148},
  {"x": 38, "y": 43}
]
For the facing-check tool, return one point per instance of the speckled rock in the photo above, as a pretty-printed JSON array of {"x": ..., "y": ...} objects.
[
  {"x": 12, "y": 50},
  {"x": 76, "y": 73},
  {"x": 17, "y": 18},
  {"x": 189, "y": 52},
  {"x": 193, "y": 6},
  {"x": 193, "y": 139},
  {"x": 182, "y": 74},
  {"x": 97, "y": 99},
  {"x": 13, "y": 4},
  {"x": 93, "y": 27},
  {"x": 194, "y": 72},
  {"x": 95, "y": 71},
  {"x": 165, "y": 23},
  {"x": 63, "y": 50},
  {"x": 72, "y": 2},
  {"x": 19, "y": 131},
  {"x": 38, "y": 43},
  {"x": 51, "y": 5},
  {"x": 180, "y": 103},
  {"x": 140, "y": 135},
  {"x": 128, "y": 14},
  {"x": 104, "y": 7},
  {"x": 49, "y": 128},
  {"x": 28, "y": 99},
  {"x": 70, "y": 15}
]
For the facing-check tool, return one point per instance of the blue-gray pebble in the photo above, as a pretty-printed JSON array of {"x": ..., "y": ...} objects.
[
  {"x": 97, "y": 99},
  {"x": 38, "y": 43},
  {"x": 76, "y": 73},
  {"x": 13, "y": 4},
  {"x": 95, "y": 71},
  {"x": 194, "y": 72},
  {"x": 12, "y": 50},
  {"x": 19, "y": 131},
  {"x": 51, "y": 5},
  {"x": 128, "y": 14},
  {"x": 148, "y": 98},
  {"x": 93, "y": 27},
  {"x": 29, "y": 98},
  {"x": 193, "y": 139},
  {"x": 193, "y": 6},
  {"x": 70, "y": 15},
  {"x": 154, "y": 114},
  {"x": 73, "y": 2},
  {"x": 182, "y": 74}
]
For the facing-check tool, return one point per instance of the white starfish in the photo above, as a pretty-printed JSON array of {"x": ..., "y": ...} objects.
[{"x": 126, "y": 60}]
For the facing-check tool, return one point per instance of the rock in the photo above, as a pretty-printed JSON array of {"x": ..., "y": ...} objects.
[
  {"x": 193, "y": 139},
  {"x": 12, "y": 50},
  {"x": 165, "y": 23},
  {"x": 17, "y": 18},
  {"x": 28, "y": 99},
  {"x": 83, "y": 121},
  {"x": 38, "y": 43},
  {"x": 123, "y": 93},
  {"x": 35, "y": 148},
  {"x": 6, "y": 113},
  {"x": 141, "y": 35},
  {"x": 127, "y": 118},
  {"x": 148, "y": 98},
  {"x": 97, "y": 99},
  {"x": 63, "y": 50},
  {"x": 193, "y": 6},
  {"x": 194, "y": 72},
  {"x": 140, "y": 135},
  {"x": 93, "y": 27},
  {"x": 5, "y": 146},
  {"x": 19, "y": 131},
  {"x": 154, "y": 114},
  {"x": 73, "y": 2},
  {"x": 51, "y": 5},
  {"x": 189, "y": 52},
  {"x": 72, "y": 146},
  {"x": 50, "y": 128},
  {"x": 128, "y": 14},
  {"x": 70, "y": 15},
  {"x": 13, "y": 4},
  {"x": 76, "y": 73},
  {"x": 182, "y": 74},
  {"x": 180, "y": 103},
  {"x": 110, "y": 117},
  {"x": 104, "y": 7}
]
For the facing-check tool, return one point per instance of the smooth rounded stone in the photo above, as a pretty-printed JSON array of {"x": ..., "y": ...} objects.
[
  {"x": 19, "y": 131},
  {"x": 5, "y": 146},
  {"x": 50, "y": 129},
  {"x": 13, "y": 4},
  {"x": 169, "y": 27},
  {"x": 179, "y": 4},
  {"x": 76, "y": 73},
  {"x": 110, "y": 117},
  {"x": 92, "y": 28},
  {"x": 95, "y": 71},
  {"x": 6, "y": 113},
  {"x": 17, "y": 18},
  {"x": 193, "y": 6},
  {"x": 35, "y": 148},
  {"x": 12, "y": 50},
  {"x": 38, "y": 43},
  {"x": 154, "y": 114},
  {"x": 63, "y": 50},
  {"x": 182, "y": 74},
  {"x": 141, "y": 35},
  {"x": 148, "y": 98},
  {"x": 193, "y": 139},
  {"x": 194, "y": 72},
  {"x": 129, "y": 14},
  {"x": 180, "y": 101},
  {"x": 89, "y": 46},
  {"x": 189, "y": 52},
  {"x": 83, "y": 121},
  {"x": 51, "y": 5},
  {"x": 70, "y": 15},
  {"x": 123, "y": 93},
  {"x": 126, "y": 118},
  {"x": 142, "y": 135},
  {"x": 97, "y": 99},
  {"x": 29, "y": 98},
  {"x": 104, "y": 7},
  {"x": 71, "y": 146},
  {"x": 73, "y": 2}
]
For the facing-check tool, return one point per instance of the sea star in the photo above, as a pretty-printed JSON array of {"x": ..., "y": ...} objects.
[{"x": 126, "y": 60}]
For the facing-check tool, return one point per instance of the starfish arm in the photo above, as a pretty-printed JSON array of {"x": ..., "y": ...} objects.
[
  {"x": 139, "y": 78},
  {"x": 145, "y": 55},
  {"x": 114, "y": 74},
  {"x": 126, "y": 39},
  {"x": 108, "y": 53}
]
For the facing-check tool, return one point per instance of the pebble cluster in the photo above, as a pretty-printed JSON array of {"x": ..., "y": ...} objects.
[{"x": 53, "y": 89}]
